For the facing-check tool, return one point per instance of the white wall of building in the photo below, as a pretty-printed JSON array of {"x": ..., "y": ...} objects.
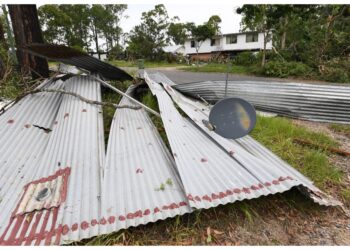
[{"x": 240, "y": 45}]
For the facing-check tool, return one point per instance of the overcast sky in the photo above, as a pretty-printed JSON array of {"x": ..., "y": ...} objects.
[{"x": 197, "y": 13}]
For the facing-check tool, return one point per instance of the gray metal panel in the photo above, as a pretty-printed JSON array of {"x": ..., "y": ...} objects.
[
  {"x": 255, "y": 161},
  {"x": 305, "y": 101},
  {"x": 137, "y": 164},
  {"x": 72, "y": 149}
]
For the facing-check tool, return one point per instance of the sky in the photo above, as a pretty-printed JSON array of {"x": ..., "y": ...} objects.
[{"x": 197, "y": 13}]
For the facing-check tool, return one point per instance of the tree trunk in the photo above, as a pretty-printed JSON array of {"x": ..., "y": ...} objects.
[
  {"x": 263, "y": 59},
  {"x": 283, "y": 40},
  {"x": 96, "y": 42},
  {"x": 26, "y": 29},
  {"x": 2, "y": 36}
]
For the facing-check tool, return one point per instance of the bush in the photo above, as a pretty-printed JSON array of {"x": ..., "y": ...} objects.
[
  {"x": 336, "y": 70},
  {"x": 246, "y": 58},
  {"x": 285, "y": 69}
]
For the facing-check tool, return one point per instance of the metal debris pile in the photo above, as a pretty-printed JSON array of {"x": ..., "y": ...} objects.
[
  {"x": 324, "y": 103},
  {"x": 60, "y": 185}
]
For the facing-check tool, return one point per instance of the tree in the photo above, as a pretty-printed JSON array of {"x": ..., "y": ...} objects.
[
  {"x": 148, "y": 39},
  {"x": 204, "y": 31},
  {"x": 178, "y": 32},
  {"x": 256, "y": 17},
  {"x": 27, "y": 30}
]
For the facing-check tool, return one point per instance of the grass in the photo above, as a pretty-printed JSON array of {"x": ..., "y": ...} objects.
[
  {"x": 147, "y": 64},
  {"x": 278, "y": 133},
  {"x": 222, "y": 68},
  {"x": 340, "y": 128}
]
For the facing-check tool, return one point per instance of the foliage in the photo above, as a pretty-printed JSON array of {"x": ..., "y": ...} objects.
[
  {"x": 246, "y": 58},
  {"x": 178, "y": 32},
  {"x": 285, "y": 69},
  {"x": 219, "y": 67},
  {"x": 147, "y": 39}
]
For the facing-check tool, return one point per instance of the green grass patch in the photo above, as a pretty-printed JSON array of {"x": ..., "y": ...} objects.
[
  {"x": 340, "y": 128},
  {"x": 147, "y": 64},
  {"x": 278, "y": 133},
  {"x": 221, "y": 68}
]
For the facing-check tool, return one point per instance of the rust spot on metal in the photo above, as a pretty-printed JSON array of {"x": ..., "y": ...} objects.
[
  {"x": 66, "y": 115},
  {"x": 10, "y": 121},
  {"x": 204, "y": 160},
  {"x": 27, "y": 126}
]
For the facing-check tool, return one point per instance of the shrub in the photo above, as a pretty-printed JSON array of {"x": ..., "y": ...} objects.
[
  {"x": 285, "y": 69},
  {"x": 246, "y": 58}
]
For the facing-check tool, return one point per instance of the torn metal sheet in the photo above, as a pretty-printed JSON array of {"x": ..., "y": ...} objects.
[
  {"x": 79, "y": 59},
  {"x": 141, "y": 184},
  {"x": 258, "y": 174},
  {"x": 55, "y": 197},
  {"x": 325, "y": 103}
]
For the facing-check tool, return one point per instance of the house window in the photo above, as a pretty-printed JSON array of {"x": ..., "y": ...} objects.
[
  {"x": 231, "y": 39},
  {"x": 214, "y": 42},
  {"x": 252, "y": 37},
  {"x": 193, "y": 44}
]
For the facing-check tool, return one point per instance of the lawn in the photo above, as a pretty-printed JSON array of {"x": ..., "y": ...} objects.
[
  {"x": 221, "y": 68},
  {"x": 147, "y": 64}
]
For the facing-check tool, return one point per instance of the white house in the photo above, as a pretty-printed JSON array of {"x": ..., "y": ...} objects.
[
  {"x": 228, "y": 44},
  {"x": 175, "y": 49}
]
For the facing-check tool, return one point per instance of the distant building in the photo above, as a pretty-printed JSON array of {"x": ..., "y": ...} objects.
[
  {"x": 175, "y": 49},
  {"x": 227, "y": 44},
  {"x": 103, "y": 55}
]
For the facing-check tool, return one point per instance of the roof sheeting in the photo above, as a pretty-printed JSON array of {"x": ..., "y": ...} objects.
[
  {"x": 70, "y": 158},
  {"x": 141, "y": 184},
  {"x": 79, "y": 59},
  {"x": 313, "y": 102},
  {"x": 244, "y": 169}
]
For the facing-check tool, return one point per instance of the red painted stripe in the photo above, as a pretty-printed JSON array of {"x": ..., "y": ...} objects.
[
  {"x": 53, "y": 225},
  {"x": 27, "y": 221},
  {"x": 43, "y": 227},
  {"x": 31, "y": 235},
  {"x": 12, "y": 238}
]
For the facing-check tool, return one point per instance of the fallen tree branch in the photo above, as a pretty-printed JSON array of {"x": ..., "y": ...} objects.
[
  {"x": 323, "y": 147},
  {"x": 108, "y": 104}
]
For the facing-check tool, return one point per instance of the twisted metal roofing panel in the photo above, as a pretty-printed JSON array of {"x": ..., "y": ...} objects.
[
  {"x": 261, "y": 172},
  {"x": 305, "y": 101},
  {"x": 141, "y": 183}
]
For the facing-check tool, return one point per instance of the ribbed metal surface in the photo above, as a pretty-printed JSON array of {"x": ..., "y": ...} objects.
[
  {"x": 79, "y": 59},
  {"x": 72, "y": 153},
  {"x": 141, "y": 184},
  {"x": 227, "y": 170},
  {"x": 304, "y": 101}
]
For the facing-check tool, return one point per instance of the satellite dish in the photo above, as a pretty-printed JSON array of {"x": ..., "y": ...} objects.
[{"x": 232, "y": 118}]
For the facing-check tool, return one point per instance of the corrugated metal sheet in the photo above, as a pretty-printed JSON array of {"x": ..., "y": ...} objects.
[
  {"x": 141, "y": 183},
  {"x": 70, "y": 158},
  {"x": 304, "y": 101},
  {"x": 217, "y": 170},
  {"x": 79, "y": 59}
]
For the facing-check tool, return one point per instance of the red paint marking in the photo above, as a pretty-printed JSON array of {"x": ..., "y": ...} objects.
[
  {"x": 222, "y": 195},
  {"x": 246, "y": 190},
  {"x": 197, "y": 198},
  {"x": 267, "y": 184},
  {"x": 74, "y": 227},
  {"x": 103, "y": 221},
  {"x": 66, "y": 115},
  {"x": 204, "y": 160},
  {"x": 231, "y": 152},
  {"x": 214, "y": 196},
  {"x": 182, "y": 203},
  {"x": 147, "y": 212},
  {"x": 190, "y": 197},
  {"x": 139, "y": 170},
  {"x": 156, "y": 210},
  {"x": 275, "y": 182},
  {"x": 58, "y": 234},
  {"x": 261, "y": 185},
  {"x": 65, "y": 229},
  {"x": 253, "y": 187},
  {"x": 236, "y": 190},
  {"x": 130, "y": 216},
  {"x": 206, "y": 198},
  {"x": 43, "y": 227},
  {"x": 53, "y": 224},
  {"x": 121, "y": 218},
  {"x": 27, "y": 126},
  {"x": 84, "y": 110},
  {"x": 138, "y": 213},
  {"x": 229, "y": 192},
  {"x": 25, "y": 227},
  {"x": 165, "y": 207},
  {"x": 111, "y": 219},
  {"x": 290, "y": 178},
  {"x": 282, "y": 178},
  {"x": 94, "y": 222},
  {"x": 173, "y": 206},
  {"x": 10, "y": 121},
  {"x": 84, "y": 225},
  {"x": 32, "y": 232}
]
